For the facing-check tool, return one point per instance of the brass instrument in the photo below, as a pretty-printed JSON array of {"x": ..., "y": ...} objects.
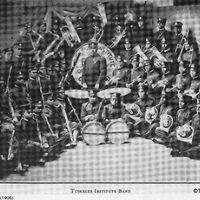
[
  {"x": 137, "y": 50},
  {"x": 67, "y": 36},
  {"x": 117, "y": 39},
  {"x": 67, "y": 121},
  {"x": 51, "y": 44},
  {"x": 182, "y": 41},
  {"x": 43, "y": 103}
]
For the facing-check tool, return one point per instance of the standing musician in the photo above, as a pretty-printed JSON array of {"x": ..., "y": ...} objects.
[
  {"x": 94, "y": 68},
  {"x": 162, "y": 32},
  {"x": 120, "y": 76}
]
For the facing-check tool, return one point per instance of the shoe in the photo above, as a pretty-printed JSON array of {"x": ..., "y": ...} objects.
[
  {"x": 42, "y": 162},
  {"x": 74, "y": 144},
  {"x": 19, "y": 170},
  {"x": 175, "y": 153},
  {"x": 26, "y": 166}
]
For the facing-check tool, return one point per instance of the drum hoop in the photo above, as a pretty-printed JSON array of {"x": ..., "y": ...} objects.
[
  {"x": 93, "y": 122},
  {"x": 113, "y": 122}
]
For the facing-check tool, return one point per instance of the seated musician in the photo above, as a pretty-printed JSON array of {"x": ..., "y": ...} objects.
[
  {"x": 63, "y": 122},
  {"x": 167, "y": 112},
  {"x": 114, "y": 110},
  {"x": 121, "y": 75},
  {"x": 191, "y": 51},
  {"x": 144, "y": 101},
  {"x": 165, "y": 49},
  {"x": 195, "y": 83},
  {"x": 94, "y": 68},
  {"x": 183, "y": 79},
  {"x": 126, "y": 54},
  {"x": 184, "y": 116},
  {"x": 90, "y": 110},
  {"x": 9, "y": 151},
  {"x": 178, "y": 38}
]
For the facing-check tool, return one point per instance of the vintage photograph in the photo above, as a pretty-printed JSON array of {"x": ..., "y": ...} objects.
[{"x": 99, "y": 91}]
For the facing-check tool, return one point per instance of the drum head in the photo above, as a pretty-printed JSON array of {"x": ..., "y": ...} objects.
[
  {"x": 117, "y": 131},
  {"x": 105, "y": 94},
  {"x": 93, "y": 133},
  {"x": 83, "y": 52},
  {"x": 77, "y": 94}
]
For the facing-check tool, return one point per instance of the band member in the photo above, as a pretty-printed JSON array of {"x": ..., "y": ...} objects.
[
  {"x": 94, "y": 68},
  {"x": 195, "y": 82},
  {"x": 162, "y": 32},
  {"x": 121, "y": 75},
  {"x": 90, "y": 110},
  {"x": 45, "y": 38},
  {"x": 184, "y": 116},
  {"x": 183, "y": 79},
  {"x": 18, "y": 93},
  {"x": 139, "y": 125},
  {"x": 9, "y": 145},
  {"x": 7, "y": 67},
  {"x": 56, "y": 27},
  {"x": 127, "y": 53},
  {"x": 116, "y": 40},
  {"x": 168, "y": 78},
  {"x": 97, "y": 31},
  {"x": 166, "y": 50},
  {"x": 70, "y": 125},
  {"x": 114, "y": 110},
  {"x": 178, "y": 39},
  {"x": 190, "y": 50},
  {"x": 28, "y": 45},
  {"x": 142, "y": 31}
]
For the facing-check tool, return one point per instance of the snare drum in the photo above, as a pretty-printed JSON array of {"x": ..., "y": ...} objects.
[
  {"x": 93, "y": 133},
  {"x": 117, "y": 131}
]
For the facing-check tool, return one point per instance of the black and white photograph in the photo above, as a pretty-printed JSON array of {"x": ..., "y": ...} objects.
[{"x": 99, "y": 91}]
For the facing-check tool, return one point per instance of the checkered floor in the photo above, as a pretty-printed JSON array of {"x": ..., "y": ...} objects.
[{"x": 141, "y": 160}]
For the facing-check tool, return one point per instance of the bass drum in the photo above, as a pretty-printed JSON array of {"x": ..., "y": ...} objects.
[
  {"x": 93, "y": 133},
  {"x": 117, "y": 131},
  {"x": 83, "y": 52}
]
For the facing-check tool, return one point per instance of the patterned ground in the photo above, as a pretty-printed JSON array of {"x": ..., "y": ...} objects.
[{"x": 140, "y": 160}]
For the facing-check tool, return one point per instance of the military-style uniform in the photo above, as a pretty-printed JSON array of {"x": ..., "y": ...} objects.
[
  {"x": 88, "y": 109},
  {"x": 110, "y": 112},
  {"x": 183, "y": 81},
  {"x": 123, "y": 77},
  {"x": 94, "y": 71}
]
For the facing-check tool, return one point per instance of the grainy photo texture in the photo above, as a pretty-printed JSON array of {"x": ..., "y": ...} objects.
[{"x": 99, "y": 91}]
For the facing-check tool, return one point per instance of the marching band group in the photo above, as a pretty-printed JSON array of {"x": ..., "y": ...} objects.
[{"x": 153, "y": 91}]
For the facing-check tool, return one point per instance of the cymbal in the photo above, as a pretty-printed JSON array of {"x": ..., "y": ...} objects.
[
  {"x": 105, "y": 94},
  {"x": 77, "y": 94}
]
